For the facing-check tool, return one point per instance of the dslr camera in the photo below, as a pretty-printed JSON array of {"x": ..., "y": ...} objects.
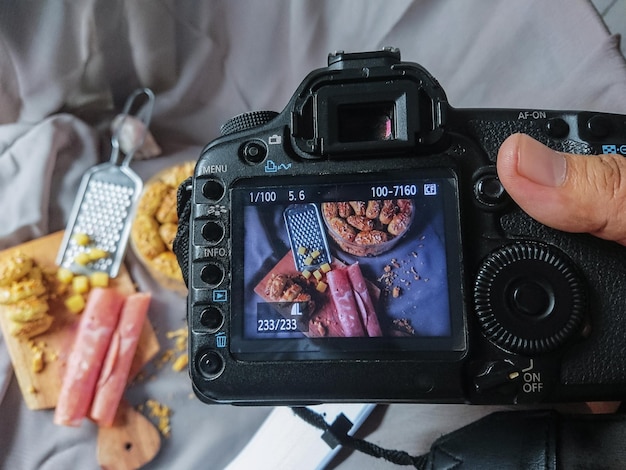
[{"x": 359, "y": 247}]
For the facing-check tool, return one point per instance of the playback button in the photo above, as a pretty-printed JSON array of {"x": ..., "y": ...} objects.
[{"x": 212, "y": 318}]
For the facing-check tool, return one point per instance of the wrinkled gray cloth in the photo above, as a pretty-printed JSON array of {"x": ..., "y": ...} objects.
[{"x": 66, "y": 69}]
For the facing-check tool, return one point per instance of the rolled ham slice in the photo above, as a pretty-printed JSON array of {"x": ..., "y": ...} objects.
[
  {"x": 345, "y": 303},
  {"x": 364, "y": 300},
  {"x": 93, "y": 337},
  {"x": 114, "y": 374}
]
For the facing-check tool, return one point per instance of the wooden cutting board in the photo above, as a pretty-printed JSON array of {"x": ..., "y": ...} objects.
[{"x": 41, "y": 390}]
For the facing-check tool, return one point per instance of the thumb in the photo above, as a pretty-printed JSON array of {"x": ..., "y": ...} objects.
[{"x": 573, "y": 193}]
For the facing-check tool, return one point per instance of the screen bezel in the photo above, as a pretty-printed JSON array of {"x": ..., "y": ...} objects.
[{"x": 450, "y": 347}]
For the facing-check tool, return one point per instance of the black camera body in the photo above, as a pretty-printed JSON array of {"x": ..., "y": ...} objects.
[{"x": 359, "y": 247}]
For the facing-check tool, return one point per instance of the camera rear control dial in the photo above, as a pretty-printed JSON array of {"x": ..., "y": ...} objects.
[
  {"x": 529, "y": 298},
  {"x": 247, "y": 121}
]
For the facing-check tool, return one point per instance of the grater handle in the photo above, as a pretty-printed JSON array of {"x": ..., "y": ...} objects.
[{"x": 143, "y": 114}]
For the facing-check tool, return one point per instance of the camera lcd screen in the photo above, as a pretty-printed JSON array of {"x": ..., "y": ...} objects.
[{"x": 359, "y": 265}]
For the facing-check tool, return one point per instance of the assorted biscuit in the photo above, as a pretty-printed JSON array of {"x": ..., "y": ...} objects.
[
  {"x": 23, "y": 296},
  {"x": 156, "y": 222}
]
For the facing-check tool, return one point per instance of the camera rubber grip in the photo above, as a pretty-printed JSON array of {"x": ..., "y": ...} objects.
[
  {"x": 537, "y": 439},
  {"x": 181, "y": 241},
  {"x": 491, "y": 133}
]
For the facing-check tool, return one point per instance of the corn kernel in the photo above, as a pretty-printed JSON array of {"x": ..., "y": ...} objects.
[
  {"x": 306, "y": 274},
  {"x": 308, "y": 260},
  {"x": 325, "y": 267},
  {"x": 321, "y": 286},
  {"x": 82, "y": 259},
  {"x": 318, "y": 274},
  {"x": 316, "y": 254},
  {"x": 96, "y": 253},
  {"x": 302, "y": 250},
  {"x": 65, "y": 275},
  {"x": 180, "y": 363},
  {"x": 80, "y": 284},
  {"x": 81, "y": 239},
  {"x": 38, "y": 362},
  {"x": 99, "y": 279},
  {"x": 75, "y": 303}
]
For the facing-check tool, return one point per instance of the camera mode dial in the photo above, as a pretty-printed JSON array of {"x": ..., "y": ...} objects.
[
  {"x": 529, "y": 298},
  {"x": 247, "y": 121}
]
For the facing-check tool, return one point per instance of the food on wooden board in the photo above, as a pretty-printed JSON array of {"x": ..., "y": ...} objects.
[
  {"x": 24, "y": 296},
  {"x": 114, "y": 374},
  {"x": 93, "y": 337},
  {"x": 101, "y": 358}
]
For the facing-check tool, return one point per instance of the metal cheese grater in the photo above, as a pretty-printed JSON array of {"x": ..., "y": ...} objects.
[
  {"x": 97, "y": 232},
  {"x": 306, "y": 236}
]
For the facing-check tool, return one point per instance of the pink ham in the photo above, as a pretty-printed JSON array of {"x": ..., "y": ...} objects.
[
  {"x": 93, "y": 337},
  {"x": 345, "y": 304},
  {"x": 114, "y": 374},
  {"x": 364, "y": 300}
]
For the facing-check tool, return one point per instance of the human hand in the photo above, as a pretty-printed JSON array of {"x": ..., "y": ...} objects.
[{"x": 568, "y": 192}]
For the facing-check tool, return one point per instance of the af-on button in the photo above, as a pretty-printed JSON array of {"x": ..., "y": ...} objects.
[{"x": 556, "y": 128}]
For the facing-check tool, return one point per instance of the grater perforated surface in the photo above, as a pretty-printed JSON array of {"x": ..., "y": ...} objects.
[
  {"x": 305, "y": 229},
  {"x": 102, "y": 216}
]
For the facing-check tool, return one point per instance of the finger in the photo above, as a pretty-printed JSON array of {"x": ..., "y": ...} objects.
[{"x": 568, "y": 192}]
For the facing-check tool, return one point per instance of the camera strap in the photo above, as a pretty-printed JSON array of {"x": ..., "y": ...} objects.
[{"x": 529, "y": 439}]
